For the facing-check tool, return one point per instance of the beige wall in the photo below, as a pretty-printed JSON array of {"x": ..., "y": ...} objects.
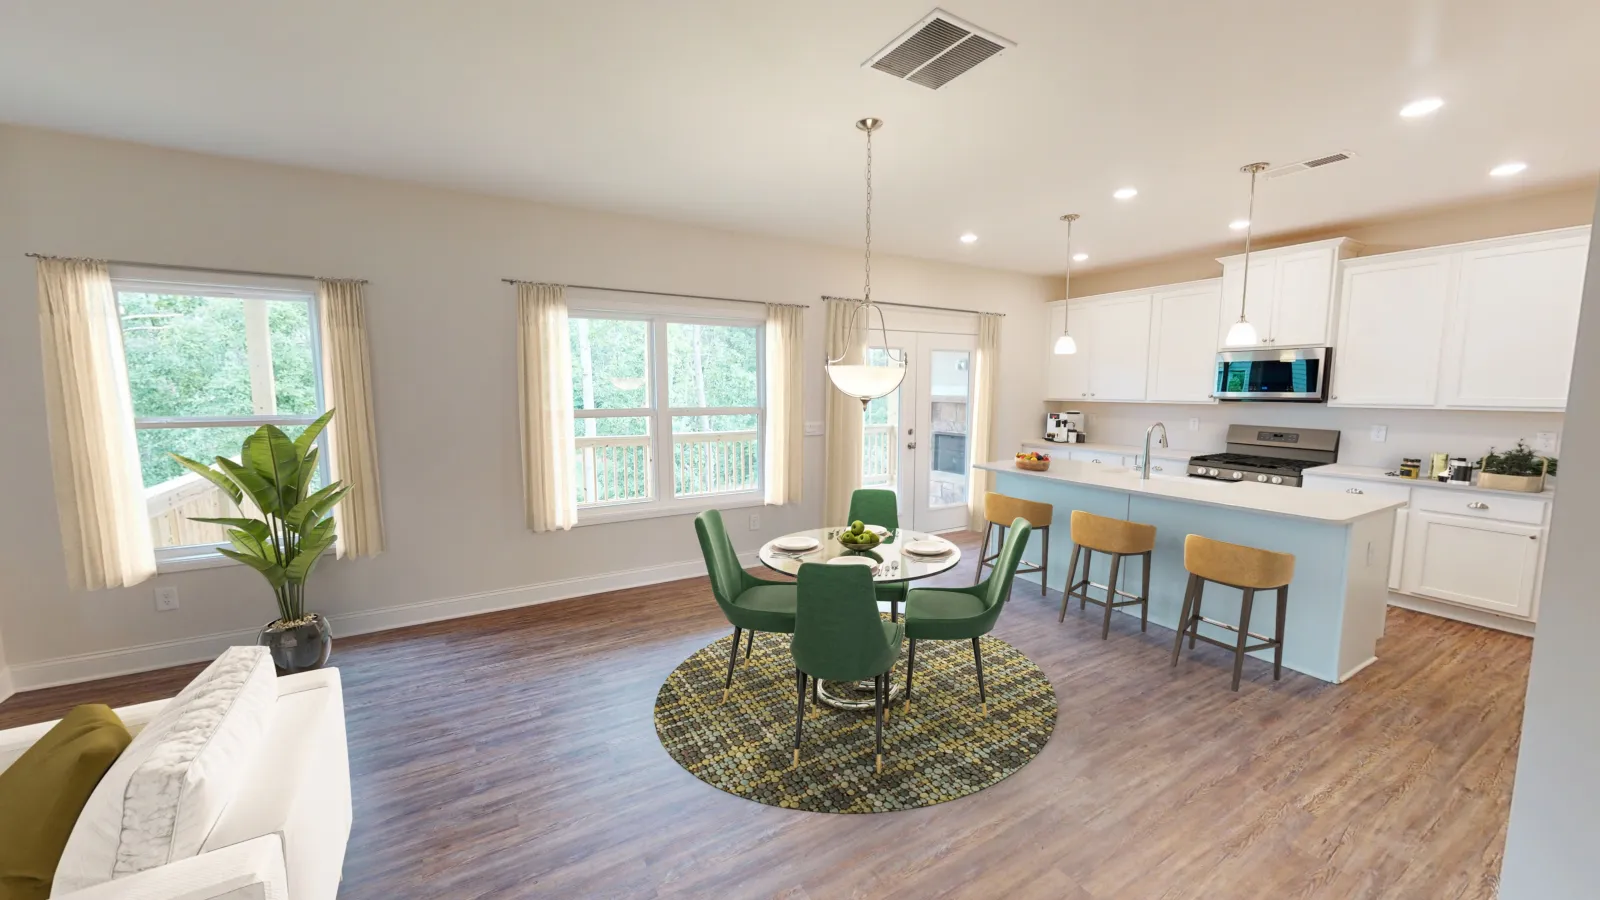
[
  {"x": 1516, "y": 213},
  {"x": 443, "y": 348}
]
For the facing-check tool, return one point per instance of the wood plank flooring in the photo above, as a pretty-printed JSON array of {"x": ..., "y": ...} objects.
[{"x": 514, "y": 755}]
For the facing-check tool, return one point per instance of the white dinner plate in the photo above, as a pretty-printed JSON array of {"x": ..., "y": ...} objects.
[
  {"x": 878, "y": 530},
  {"x": 796, "y": 544},
  {"x": 853, "y": 561},
  {"x": 927, "y": 548}
]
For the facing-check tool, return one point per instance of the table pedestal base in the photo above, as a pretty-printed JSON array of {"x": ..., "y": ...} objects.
[{"x": 854, "y": 696}]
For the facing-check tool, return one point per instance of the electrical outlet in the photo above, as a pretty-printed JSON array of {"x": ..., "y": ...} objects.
[
  {"x": 813, "y": 429},
  {"x": 166, "y": 599},
  {"x": 1544, "y": 442},
  {"x": 1194, "y": 424},
  {"x": 1380, "y": 433},
  {"x": 755, "y": 521}
]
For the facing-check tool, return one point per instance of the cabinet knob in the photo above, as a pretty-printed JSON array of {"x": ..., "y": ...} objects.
[
  {"x": 1354, "y": 491},
  {"x": 1533, "y": 537},
  {"x": 1157, "y": 469},
  {"x": 1477, "y": 505},
  {"x": 1094, "y": 460}
]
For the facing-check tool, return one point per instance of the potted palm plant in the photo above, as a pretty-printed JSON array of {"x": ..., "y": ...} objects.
[
  {"x": 1517, "y": 469},
  {"x": 274, "y": 474}
]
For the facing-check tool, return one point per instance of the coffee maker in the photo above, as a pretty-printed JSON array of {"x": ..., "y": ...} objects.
[{"x": 1064, "y": 428}]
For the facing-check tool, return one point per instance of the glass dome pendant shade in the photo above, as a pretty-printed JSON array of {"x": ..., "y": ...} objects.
[
  {"x": 864, "y": 381},
  {"x": 1242, "y": 333},
  {"x": 1065, "y": 345}
]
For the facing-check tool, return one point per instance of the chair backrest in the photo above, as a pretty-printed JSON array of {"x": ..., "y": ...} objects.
[
  {"x": 1000, "y": 509},
  {"x": 838, "y": 635},
  {"x": 875, "y": 506},
  {"x": 722, "y": 563},
  {"x": 1005, "y": 567}
]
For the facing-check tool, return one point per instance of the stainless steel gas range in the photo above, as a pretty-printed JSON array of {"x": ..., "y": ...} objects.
[{"x": 1268, "y": 455}]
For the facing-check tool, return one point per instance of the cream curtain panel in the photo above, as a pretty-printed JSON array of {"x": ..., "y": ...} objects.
[
  {"x": 105, "y": 530},
  {"x": 544, "y": 369},
  {"x": 352, "y": 434},
  {"x": 844, "y": 416},
  {"x": 785, "y": 467},
  {"x": 985, "y": 394}
]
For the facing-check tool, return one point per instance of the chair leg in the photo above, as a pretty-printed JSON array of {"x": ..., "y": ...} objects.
[
  {"x": 1277, "y": 652},
  {"x": 1072, "y": 575},
  {"x": 879, "y": 689},
  {"x": 1111, "y": 594},
  {"x": 800, "y": 712},
  {"x": 1194, "y": 614},
  {"x": 732, "y": 658},
  {"x": 1244, "y": 635},
  {"x": 749, "y": 644},
  {"x": 977, "y": 659},
  {"x": 1044, "y": 567},
  {"x": 1144, "y": 594},
  {"x": 977, "y": 572},
  {"x": 1183, "y": 618},
  {"x": 1088, "y": 574},
  {"x": 911, "y": 665},
  {"x": 815, "y": 700}
]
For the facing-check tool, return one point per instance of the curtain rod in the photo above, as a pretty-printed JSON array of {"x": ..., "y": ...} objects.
[
  {"x": 948, "y": 309},
  {"x": 594, "y": 287},
  {"x": 124, "y": 262}
]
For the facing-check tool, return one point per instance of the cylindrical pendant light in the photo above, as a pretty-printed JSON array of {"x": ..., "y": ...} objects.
[
  {"x": 1065, "y": 345},
  {"x": 1243, "y": 334},
  {"x": 864, "y": 381}
]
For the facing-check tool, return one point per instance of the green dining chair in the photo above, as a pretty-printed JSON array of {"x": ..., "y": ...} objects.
[
  {"x": 965, "y": 613},
  {"x": 838, "y": 636},
  {"x": 749, "y": 603},
  {"x": 875, "y": 506}
]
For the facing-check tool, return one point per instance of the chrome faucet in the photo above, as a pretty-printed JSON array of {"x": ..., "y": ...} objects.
[{"x": 1144, "y": 466}]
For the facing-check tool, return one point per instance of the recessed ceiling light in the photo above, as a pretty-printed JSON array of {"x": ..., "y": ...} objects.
[
  {"x": 969, "y": 238},
  {"x": 1508, "y": 169},
  {"x": 1416, "y": 109},
  {"x": 1126, "y": 193},
  {"x": 1079, "y": 257},
  {"x": 1239, "y": 224}
]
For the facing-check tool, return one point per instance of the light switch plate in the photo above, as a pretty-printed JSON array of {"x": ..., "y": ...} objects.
[
  {"x": 1380, "y": 433},
  {"x": 166, "y": 598},
  {"x": 1545, "y": 442},
  {"x": 813, "y": 429},
  {"x": 755, "y": 521}
]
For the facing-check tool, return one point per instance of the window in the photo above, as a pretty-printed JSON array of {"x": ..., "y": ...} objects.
[
  {"x": 207, "y": 364},
  {"x": 667, "y": 410}
]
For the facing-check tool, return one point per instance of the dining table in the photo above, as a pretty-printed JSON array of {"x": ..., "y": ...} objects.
[{"x": 901, "y": 556}]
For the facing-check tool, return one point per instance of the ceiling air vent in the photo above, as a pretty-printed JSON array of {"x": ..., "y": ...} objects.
[
  {"x": 1307, "y": 165},
  {"x": 936, "y": 50}
]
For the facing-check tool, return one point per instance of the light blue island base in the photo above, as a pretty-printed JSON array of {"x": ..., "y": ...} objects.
[{"x": 1337, "y": 600}]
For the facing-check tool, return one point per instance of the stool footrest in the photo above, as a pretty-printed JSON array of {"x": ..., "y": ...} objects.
[
  {"x": 1270, "y": 641},
  {"x": 1078, "y": 590}
]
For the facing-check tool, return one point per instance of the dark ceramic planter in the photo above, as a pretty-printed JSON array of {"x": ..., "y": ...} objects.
[{"x": 299, "y": 648}]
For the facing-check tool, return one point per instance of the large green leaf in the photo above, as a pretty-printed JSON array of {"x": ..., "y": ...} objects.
[
  {"x": 248, "y": 543},
  {"x": 307, "y": 512},
  {"x": 254, "y": 486},
  {"x": 274, "y": 572},
  {"x": 212, "y": 475},
  {"x": 269, "y": 453},
  {"x": 312, "y": 546},
  {"x": 308, "y": 473},
  {"x": 309, "y": 436},
  {"x": 253, "y": 527}
]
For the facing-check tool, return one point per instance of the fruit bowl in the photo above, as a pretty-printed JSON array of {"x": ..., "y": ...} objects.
[
  {"x": 864, "y": 541},
  {"x": 1033, "y": 462}
]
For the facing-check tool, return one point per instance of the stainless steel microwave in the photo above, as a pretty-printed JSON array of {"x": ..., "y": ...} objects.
[{"x": 1298, "y": 374}]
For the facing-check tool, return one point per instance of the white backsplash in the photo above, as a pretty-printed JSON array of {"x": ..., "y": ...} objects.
[{"x": 1411, "y": 432}]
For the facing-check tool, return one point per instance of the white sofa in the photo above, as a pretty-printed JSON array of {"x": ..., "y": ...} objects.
[{"x": 282, "y": 835}]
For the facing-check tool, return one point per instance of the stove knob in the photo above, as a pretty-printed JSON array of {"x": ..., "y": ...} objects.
[
  {"x": 1261, "y": 478},
  {"x": 1212, "y": 472},
  {"x": 1238, "y": 475},
  {"x": 1277, "y": 479}
]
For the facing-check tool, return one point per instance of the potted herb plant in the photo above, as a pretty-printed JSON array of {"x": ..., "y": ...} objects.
[
  {"x": 1517, "y": 469},
  {"x": 274, "y": 473}
]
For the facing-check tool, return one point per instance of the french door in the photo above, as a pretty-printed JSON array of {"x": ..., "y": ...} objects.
[{"x": 914, "y": 441}]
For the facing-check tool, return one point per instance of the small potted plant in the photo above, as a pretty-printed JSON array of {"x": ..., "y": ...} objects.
[
  {"x": 274, "y": 473},
  {"x": 1517, "y": 469}
]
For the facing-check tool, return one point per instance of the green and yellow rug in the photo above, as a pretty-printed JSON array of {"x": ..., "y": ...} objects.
[{"x": 942, "y": 749}]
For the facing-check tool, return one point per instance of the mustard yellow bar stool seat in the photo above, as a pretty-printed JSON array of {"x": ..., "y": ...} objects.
[
  {"x": 1248, "y": 569},
  {"x": 999, "y": 511},
  {"x": 1093, "y": 534}
]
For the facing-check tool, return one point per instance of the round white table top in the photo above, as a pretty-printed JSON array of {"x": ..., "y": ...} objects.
[{"x": 893, "y": 564}]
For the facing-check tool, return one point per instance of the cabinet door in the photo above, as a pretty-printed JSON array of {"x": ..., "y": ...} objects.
[
  {"x": 1517, "y": 317},
  {"x": 1301, "y": 294},
  {"x": 1258, "y": 306},
  {"x": 1097, "y": 457},
  {"x": 1119, "y": 361},
  {"x": 1391, "y": 333},
  {"x": 1183, "y": 358},
  {"x": 1482, "y": 563},
  {"x": 1066, "y": 377}
]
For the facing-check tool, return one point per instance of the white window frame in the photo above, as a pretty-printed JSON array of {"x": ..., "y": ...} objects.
[
  {"x": 659, "y": 415},
  {"x": 206, "y": 284}
]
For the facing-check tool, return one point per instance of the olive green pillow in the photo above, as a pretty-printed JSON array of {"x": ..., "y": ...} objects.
[{"x": 43, "y": 792}]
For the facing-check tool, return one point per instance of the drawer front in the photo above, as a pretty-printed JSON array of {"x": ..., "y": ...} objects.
[
  {"x": 1356, "y": 486},
  {"x": 1476, "y": 505},
  {"x": 1097, "y": 456}
]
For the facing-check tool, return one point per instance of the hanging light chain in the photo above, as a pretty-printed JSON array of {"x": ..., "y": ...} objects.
[
  {"x": 866, "y": 291},
  {"x": 1066, "y": 307},
  {"x": 1249, "y": 226}
]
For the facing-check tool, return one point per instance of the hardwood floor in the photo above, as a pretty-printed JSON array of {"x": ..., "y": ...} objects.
[{"x": 514, "y": 754}]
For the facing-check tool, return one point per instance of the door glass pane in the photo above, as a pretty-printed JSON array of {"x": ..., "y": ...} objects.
[
  {"x": 880, "y": 448},
  {"x": 950, "y": 377}
]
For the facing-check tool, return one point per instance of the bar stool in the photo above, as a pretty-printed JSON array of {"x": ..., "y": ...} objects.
[
  {"x": 999, "y": 511},
  {"x": 1246, "y": 568},
  {"x": 1120, "y": 538}
]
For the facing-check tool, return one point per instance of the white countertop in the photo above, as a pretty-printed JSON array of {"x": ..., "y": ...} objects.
[
  {"x": 1376, "y": 473},
  {"x": 1156, "y": 451},
  {"x": 1275, "y": 500}
]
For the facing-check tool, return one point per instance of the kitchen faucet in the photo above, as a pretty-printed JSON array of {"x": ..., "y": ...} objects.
[{"x": 1144, "y": 464}]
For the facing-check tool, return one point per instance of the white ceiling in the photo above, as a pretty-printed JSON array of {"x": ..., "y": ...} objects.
[{"x": 739, "y": 113}]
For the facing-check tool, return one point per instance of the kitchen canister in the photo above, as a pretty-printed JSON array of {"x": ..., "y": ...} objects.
[
  {"x": 1460, "y": 470},
  {"x": 1410, "y": 467},
  {"x": 1439, "y": 467}
]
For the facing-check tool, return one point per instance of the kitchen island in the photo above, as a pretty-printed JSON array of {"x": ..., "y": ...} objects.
[{"x": 1341, "y": 543}]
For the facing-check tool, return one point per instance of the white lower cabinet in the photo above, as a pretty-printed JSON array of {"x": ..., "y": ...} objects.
[
  {"x": 1098, "y": 457},
  {"x": 1485, "y": 563}
]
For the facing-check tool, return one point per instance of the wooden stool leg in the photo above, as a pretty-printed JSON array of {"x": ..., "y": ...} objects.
[
  {"x": 1088, "y": 573},
  {"x": 1144, "y": 594},
  {"x": 1183, "y": 618},
  {"x": 1072, "y": 575},
  {"x": 1277, "y": 652},
  {"x": 1194, "y": 614},
  {"x": 983, "y": 551},
  {"x": 1244, "y": 635},
  {"x": 1111, "y": 594},
  {"x": 1044, "y": 567}
]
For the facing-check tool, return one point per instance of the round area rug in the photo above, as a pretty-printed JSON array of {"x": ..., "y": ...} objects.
[{"x": 942, "y": 749}]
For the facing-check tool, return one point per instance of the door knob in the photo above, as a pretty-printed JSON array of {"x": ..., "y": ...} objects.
[{"x": 911, "y": 446}]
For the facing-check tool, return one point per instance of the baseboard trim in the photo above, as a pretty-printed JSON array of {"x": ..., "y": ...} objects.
[
  {"x": 147, "y": 657},
  {"x": 1461, "y": 614}
]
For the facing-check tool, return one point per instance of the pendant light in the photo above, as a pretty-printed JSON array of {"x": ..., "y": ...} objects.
[
  {"x": 1243, "y": 334},
  {"x": 1065, "y": 345},
  {"x": 864, "y": 381}
]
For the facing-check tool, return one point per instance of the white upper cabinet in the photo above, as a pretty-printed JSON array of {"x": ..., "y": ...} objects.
[
  {"x": 1291, "y": 293},
  {"x": 1183, "y": 358},
  {"x": 1113, "y": 337},
  {"x": 1391, "y": 330},
  {"x": 1066, "y": 377},
  {"x": 1516, "y": 317}
]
